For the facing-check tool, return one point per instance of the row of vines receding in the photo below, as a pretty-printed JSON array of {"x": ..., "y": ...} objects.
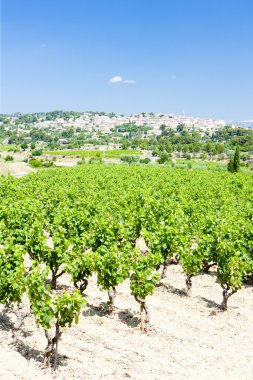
[{"x": 117, "y": 223}]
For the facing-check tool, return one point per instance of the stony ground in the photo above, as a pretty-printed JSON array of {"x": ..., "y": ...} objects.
[{"x": 190, "y": 338}]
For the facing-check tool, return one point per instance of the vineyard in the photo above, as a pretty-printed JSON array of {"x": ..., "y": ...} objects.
[{"x": 118, "y": 226}]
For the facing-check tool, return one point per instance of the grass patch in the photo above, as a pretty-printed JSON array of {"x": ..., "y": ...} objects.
[
  {"x": 201, "y": 165},
  {"x": 8, "y": 148},
  {"x": 93, "y": 153}
]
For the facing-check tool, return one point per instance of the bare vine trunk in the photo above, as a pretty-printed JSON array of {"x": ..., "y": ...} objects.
[
  {"x": 189, "y": 282},
  {"x": 55, "y": 276},
  {"x": 57, "y": 332},
  {"x": 53, "y": 281},
  {"x": 174, "y": 260},
  {"x": 52, "y": 346},
  {"x": 208, "y": 266},
  {"x": 144, "y": 312},
  {"x": 164, "y": 271},
  {"x": 171, "y": 261},
  {"x": 226, "y": 294},
  {"x": 111, "y": 295},
  {"x": 82, "y": 286}
]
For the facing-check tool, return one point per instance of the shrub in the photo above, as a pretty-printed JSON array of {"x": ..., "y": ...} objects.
[
  {"x": 9, "y": 158},
  {"x": 47, "y": 163},
  {"x": 97, "y": 159},
  {"x": 203, "y": 156},
  {"x": 164, "y": 158},
  {"x": 81, "y": 162},
  {"x": 37, "y": 152},
  {"x": 145, "y": 161},
  {"x": 129, "y": 158},
  {"x": 24, "y": 146},
  {"x": 35, "y": 163}
]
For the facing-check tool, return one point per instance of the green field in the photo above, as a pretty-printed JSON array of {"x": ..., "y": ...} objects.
[
  {"x": 8, "y": 148},
  {"x": 93, "y": 153}
]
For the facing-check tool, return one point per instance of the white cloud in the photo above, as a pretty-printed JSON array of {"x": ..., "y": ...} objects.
[
  {"x": 129, "y": 81},
  {"x": 119, "y": 79},
  {"x": 116, "y": 79}
]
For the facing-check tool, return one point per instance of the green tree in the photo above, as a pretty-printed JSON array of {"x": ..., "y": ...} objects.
[
  {"x": 164, "y": 158},
  {"x": 9, "y": 158},
  {"x": 234, "y": 163},
  {"x": 231, "y": 165},
  {"x": 180, "y": 127},
  {"x": 129, "y": 158},
  {"x": 24, "y": 146},
  {"x": 237, "y": 159}
]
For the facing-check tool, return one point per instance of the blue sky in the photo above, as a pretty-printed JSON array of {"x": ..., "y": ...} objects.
[{"x": 171, "y": 56}]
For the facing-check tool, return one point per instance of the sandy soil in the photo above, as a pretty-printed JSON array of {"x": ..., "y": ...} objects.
[
  {"x": 65, "y": 163},
  {"x": 190, "y": 339},
  {"x": 17, "y": 169}
]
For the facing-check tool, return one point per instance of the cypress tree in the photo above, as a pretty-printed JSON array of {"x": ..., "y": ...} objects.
[
  {"x": 237, "y": 160},
  {"x": 234, "y": 163},
  {"x": 231, "y": 165}
]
